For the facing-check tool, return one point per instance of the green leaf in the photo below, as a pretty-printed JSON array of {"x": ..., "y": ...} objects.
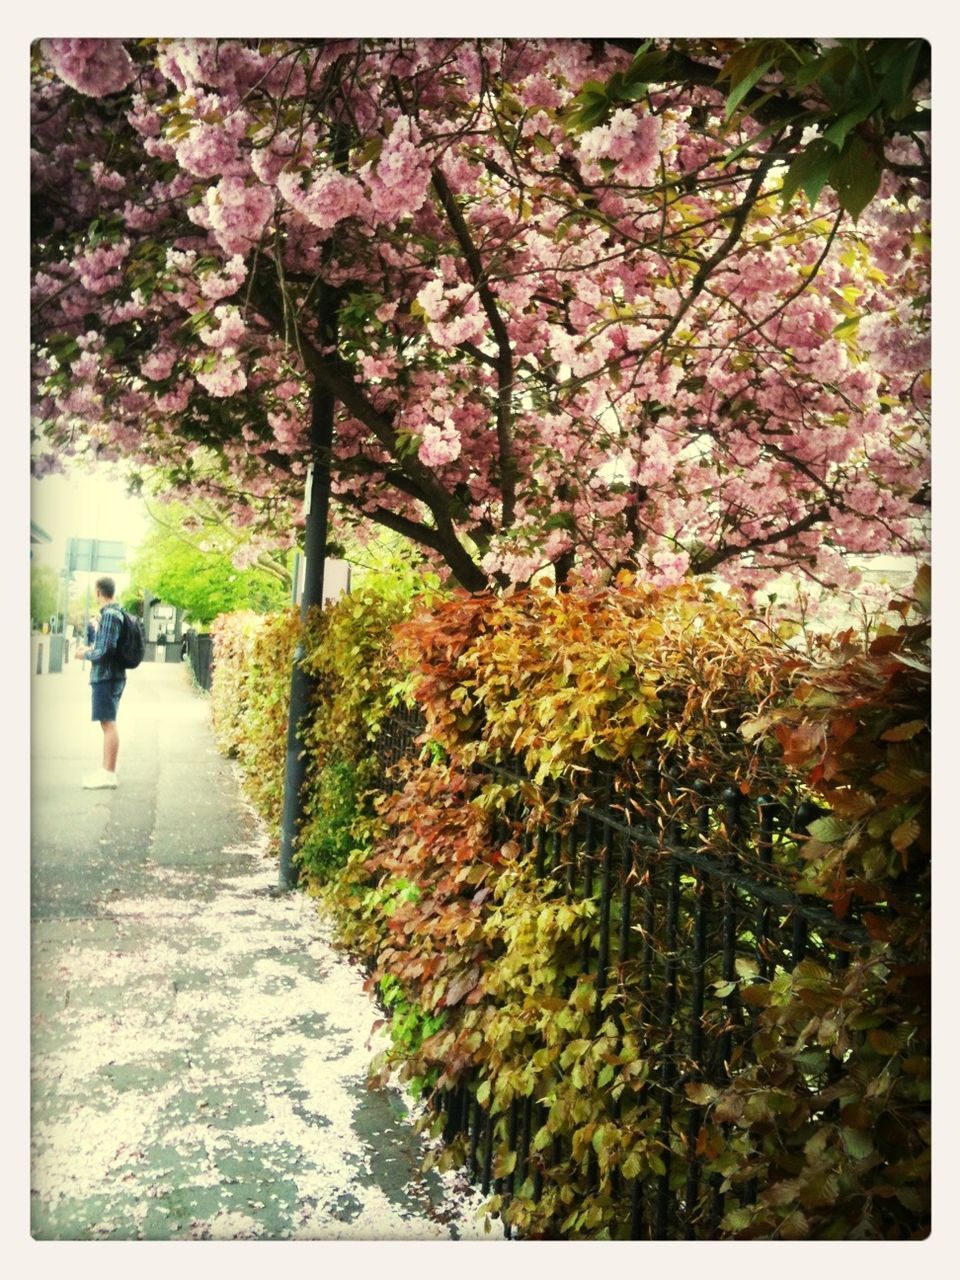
[
  {"x": 634, "y": 91},
  {"x": 701, "y": 1094},
  {"x": 740, "y": 91},
  {"x": 846, "y": 328},
  {"x": 809, "y": 171},
  {"x": 857, "y": 1143},
  {"x": 742, "y": 63},
  {"x": 856, "y": 176},
  {"x": 837, "y": 133},
  {"x": 647, "y": 65},
  {"x": 896, "y": 84},
  {"x": 829, "y": 829},
  {"x": 921, "y": 588}
]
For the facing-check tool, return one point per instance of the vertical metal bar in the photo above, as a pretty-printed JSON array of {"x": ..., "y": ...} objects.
[
  {"x": 555, "y": 851},
  {"x": 450, "y": 1105},
  {"x": 798, "y": 943},
  {"x": 636, "y": 1210},
  {"x": 541, "y": 851},
  {"x": 523, "y": 1147},
  {"x": 667, "y": 1064},
  {"x": 474, "y": 1139},
  {"x": 696, "y": 1049},
  {"x": 768, "y": 809},
  {"x": 572, "y": 858},
  {"x": 512, "y": 1143},
  {"x": 589, "y": 847},
  {"x": 728, "y": 970},
  {"x": 538, "y": 1171},
  {"x": 649, "y": 919},
  {"x": 603, "y": 948},
  {"x": 487, "y": 1151},
  {"x": 626, "y": 873}
]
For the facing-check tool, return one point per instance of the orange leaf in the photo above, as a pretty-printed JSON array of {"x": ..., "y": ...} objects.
[
  {"x": 904, "y": 836},
  {"x": 902, "y": 732}
]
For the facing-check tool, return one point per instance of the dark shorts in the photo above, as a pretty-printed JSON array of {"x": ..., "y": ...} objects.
[{"x": 106, "y": 698}]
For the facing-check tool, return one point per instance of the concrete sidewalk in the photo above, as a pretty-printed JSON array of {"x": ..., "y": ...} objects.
[{"x": 199, "y": 1051}]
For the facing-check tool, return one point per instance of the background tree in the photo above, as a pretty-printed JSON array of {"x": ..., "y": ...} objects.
[
  {"x": 44, "y": 593},
  {"x": 193, "y": 560},
  {"x": 577, "y": 305}
]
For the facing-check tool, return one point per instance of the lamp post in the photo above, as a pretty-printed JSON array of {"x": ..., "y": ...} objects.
[{"x": 301, "y": 684}]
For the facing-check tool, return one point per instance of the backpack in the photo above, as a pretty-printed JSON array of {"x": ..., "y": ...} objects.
[{"x": 129, "y": 650}]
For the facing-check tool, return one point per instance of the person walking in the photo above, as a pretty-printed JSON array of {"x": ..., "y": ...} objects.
[{"x": 107, "y": 680}]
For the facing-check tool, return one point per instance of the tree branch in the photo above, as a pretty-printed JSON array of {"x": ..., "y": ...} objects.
[
  {"x": 710, "y": 562},
  {"x": 504, "y": 362}
]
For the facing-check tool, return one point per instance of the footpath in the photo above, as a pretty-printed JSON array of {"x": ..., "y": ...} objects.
[{"x": 198, "y": 1050}]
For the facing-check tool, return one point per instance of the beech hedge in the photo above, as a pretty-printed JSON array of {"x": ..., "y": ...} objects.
[{"x": 479, "y": 958}]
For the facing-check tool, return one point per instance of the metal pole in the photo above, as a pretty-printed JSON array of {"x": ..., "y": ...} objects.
[{"x": 321, "y": 440}]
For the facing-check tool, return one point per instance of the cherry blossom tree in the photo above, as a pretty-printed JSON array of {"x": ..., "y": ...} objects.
[{"x": 577, "y": 305}]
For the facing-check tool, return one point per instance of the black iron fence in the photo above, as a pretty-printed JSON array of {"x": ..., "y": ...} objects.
[
  {"x": 198, "y": 651},
  {"x": 684, "y": 908}
]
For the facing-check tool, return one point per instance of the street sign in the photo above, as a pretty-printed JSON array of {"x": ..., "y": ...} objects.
[{"x": 94, "y": 555}]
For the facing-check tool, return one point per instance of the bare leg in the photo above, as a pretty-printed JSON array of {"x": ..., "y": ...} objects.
[{"x": 111, "y": 745}]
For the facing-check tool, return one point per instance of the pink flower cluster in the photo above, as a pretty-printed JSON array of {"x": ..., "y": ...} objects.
[
  {"x": 399, "y": 178},
  {"x": 275, "y": 150},
  {"x": 289, "y": 431},
  {"x": 93, "y": 67},
  {"x": 238, "y": 213},
  {"x": 439, "y": 444},
  {"x": 226, "y": 378},
  {"x": 211, "y": 149},
  {"x": 630, "y": 139},
  {"x": 230, "y": 331},
  {"x": 221, "y": 284},
  {"x": 329, "y": 199},
  {"x": 98, "y": 269},
  {"x": 454, "y": 314},
  {"x": 158, "y": 365}
]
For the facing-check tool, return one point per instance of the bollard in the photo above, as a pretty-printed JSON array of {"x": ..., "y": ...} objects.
[{"x": 40, "y": 659}]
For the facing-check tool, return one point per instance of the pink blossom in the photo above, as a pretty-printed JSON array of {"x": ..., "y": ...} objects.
[
  {"x": 158, "y": 365},
  {"x": 275, "y": 150},
  {"x": 98, "y": 268},
  {"x": 540, "y": 91},
  {"x": 226, "y": 377},
  {"x": 93, "y": 67},
  {"x": 439, "y": 444},
  {"x": 224, "y": 282},
  {"x": 398, "y": 179},
  {"x": 238, "y": 213},
  {"x": 212, "y": 149},
  {"x": 330, "y": 199},
  {"x": 106, "y": 179},
  {"x": 632, "y": 140},
  {"x": 176, "y": 401},
  {"x": 230, "y": 329}
]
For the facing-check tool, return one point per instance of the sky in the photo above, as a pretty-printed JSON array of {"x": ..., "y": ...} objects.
[{"x": 85, "y": 503}]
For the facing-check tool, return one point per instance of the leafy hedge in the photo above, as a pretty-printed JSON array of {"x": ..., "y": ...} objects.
[
  {"x": 250, "y": 696},
  {"x": 684, "y": 678},
  {"x": 480, "y": 959},
  {"x": 356, "y": 680}
]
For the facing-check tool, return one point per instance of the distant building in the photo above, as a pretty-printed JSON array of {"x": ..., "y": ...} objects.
[{"x": 38, "y": 536}]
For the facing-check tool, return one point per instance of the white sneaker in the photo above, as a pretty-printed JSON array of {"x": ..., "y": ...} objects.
[{"x": 100, "y": 779}]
